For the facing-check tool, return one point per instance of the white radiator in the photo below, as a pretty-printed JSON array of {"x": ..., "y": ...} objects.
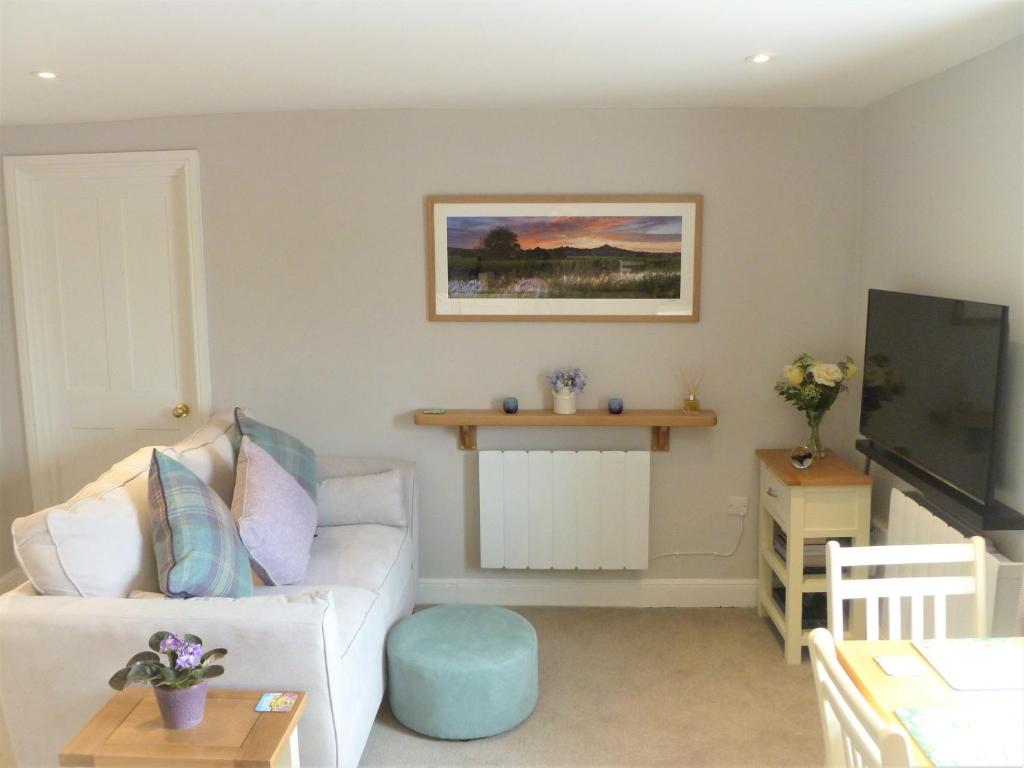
[
  {"x": 564, "y": 509},
  {"x": 910, "y": 523}
]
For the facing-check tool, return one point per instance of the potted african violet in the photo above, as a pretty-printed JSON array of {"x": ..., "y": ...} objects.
[{"x": 180, "y": 684}]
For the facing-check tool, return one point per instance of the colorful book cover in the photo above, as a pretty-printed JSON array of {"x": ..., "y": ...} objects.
[{"x": 276, "y": 702}]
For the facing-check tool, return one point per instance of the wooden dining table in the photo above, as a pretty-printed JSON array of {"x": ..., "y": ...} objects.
[{"x": 889, "y": 693}]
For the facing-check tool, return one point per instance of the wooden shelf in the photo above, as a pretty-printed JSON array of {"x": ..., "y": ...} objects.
[{"x": 660, "y": 421}]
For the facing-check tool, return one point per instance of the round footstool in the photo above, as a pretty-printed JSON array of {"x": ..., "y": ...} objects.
[{"x": 462, "y": 671}]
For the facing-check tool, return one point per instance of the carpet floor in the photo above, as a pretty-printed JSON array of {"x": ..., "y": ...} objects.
[
  {"x": 642, "y": 687},
  {"x": 637, "y": 687}
]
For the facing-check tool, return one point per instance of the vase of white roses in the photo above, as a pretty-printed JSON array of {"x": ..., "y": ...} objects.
[
  {"x": 180, "y": 684},
  {"x": 812, "y": 386},
  {"x": 565, "y": 384}
]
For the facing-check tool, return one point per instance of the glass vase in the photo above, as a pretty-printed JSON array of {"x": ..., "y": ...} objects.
[{"x": 814, "y": 442}]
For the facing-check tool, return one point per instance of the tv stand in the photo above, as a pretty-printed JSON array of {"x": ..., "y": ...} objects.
[{"x": 956, "y": 509}]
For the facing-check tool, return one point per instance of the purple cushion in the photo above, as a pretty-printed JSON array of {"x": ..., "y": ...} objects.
[{"x": 276, "y": 517}]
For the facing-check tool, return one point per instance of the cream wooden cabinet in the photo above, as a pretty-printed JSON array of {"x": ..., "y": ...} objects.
[{"x": 829, "y": 500}]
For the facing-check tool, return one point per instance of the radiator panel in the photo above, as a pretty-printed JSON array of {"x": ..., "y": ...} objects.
[
  {"x": 541, "y": 522},
  {"x": 492, "y": 505},
  {"x": 564, "y": 509},
  {"x": 515, "y": 476},
  {"x": 910, "y": 523}
]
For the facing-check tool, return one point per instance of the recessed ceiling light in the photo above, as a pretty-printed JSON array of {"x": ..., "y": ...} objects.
[
  {"x": 46, "y": 75},
  {"x": 759, "y": 58}
]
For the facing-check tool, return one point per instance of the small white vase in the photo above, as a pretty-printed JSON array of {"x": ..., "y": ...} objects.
[{"x": 565, "y": 401}]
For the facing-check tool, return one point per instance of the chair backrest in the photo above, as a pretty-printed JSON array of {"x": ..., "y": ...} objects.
[
  {"x": 842, "y": 587},
  {"x": 855, "y": 736}
]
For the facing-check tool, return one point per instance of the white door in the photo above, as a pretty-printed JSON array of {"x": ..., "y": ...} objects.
[{"x": 107, "y": 261}]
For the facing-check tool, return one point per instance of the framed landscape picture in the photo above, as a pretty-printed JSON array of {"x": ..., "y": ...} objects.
[{"x": 589, "y": 257}]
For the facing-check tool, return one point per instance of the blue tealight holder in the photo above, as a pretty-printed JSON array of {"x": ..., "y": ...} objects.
[
  {"x": 614, "y": 405},
  {"x": 510, "y": 405}
]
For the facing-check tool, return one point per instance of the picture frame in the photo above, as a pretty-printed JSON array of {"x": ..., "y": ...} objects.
[{"x": 577, "y": 258}]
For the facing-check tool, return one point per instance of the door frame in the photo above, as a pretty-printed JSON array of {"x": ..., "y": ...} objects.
[{"x": 29, "y": 315}]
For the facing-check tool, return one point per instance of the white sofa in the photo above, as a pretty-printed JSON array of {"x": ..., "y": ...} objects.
[{"x": 325, "y": 637}]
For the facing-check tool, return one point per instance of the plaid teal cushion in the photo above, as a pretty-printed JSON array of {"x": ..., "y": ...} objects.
[
  {"x": 198, "y": 550},
  {"x": 297, "y": 458}
]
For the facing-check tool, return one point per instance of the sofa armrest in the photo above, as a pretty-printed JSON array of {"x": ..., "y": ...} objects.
[
  {"x": 58, "y": 652},
  {"x": 336, "y": 466}
]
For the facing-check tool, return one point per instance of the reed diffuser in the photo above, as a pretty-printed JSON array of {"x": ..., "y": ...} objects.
[{"x": 691, "y": 385}]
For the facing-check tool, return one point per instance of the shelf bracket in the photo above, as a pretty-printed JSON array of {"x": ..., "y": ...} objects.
[
  {"x": 660, "y": 438},
  {"x": 467, "y": 438}
]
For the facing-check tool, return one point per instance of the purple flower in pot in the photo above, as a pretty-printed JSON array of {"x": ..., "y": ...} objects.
[{"x": 180, "y": 683}]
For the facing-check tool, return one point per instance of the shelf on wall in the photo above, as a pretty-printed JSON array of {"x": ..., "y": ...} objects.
[{"x": 660, "y": 421}]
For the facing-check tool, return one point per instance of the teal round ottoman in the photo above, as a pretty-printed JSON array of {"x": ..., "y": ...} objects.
[{"x": 462, "y": 671}]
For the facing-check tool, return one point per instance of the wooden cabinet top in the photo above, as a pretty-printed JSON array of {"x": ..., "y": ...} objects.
[{"x": 830, "y": 470}]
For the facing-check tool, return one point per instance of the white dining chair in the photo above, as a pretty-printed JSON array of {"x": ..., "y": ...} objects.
[
  {"x": 855, "y": 735},
  {"x": 842, "y": 587}
]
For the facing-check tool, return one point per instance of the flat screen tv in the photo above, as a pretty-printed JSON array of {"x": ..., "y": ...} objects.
[{"x": 932, "y": 373}]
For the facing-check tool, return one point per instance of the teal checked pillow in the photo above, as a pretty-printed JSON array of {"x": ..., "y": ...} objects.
[
  {"x": 198, "y": 550},
  {"x": 294, "y": 456}
]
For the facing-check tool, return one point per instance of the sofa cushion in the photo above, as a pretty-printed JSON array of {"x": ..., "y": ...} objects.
[
  {"x": 96, "y": 544},
  {"x": 122, "y": 472},
  {"x": 198, "y": 550},
  {"x": 355, "y": 555},
  {"x": 210, "y": 453},
  {"x": 276, "y": 518},
  {"x": 291, "y": 453},
  {"x": 370, "y": 498}
]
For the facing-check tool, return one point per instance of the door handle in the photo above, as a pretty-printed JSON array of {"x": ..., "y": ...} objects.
[
  {"x": 771, "y": 491},
  {"x": 181, "y": 409}
]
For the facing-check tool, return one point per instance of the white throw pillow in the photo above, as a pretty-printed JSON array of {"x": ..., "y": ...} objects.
[
  {"x": 96, "y": 544},
  {"x": 359, "y": 499},
  {"x": 210, "y": 453}
]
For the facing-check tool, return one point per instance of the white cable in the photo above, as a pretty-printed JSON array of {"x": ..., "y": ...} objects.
[{"x": 730, "y": 553}]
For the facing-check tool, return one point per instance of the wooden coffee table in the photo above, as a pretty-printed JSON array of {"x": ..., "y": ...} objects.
[{"x": 128, "y": 730}]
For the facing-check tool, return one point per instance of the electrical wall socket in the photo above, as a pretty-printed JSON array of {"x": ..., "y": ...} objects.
[{"x": 738, "y": 506}]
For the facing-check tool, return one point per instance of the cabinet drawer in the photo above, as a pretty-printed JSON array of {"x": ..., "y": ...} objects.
[
  {"x": 830, "y": 511},
  {"x": 775, "y": 497}
]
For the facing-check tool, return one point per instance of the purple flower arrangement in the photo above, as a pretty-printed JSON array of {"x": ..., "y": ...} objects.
[
  {"x": 187, "y": 665},
  {"x": 569, "y": 378}
]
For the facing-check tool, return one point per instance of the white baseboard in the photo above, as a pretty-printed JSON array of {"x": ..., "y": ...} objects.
[
  {"x": 620, "y": 593},
  {"x": 13, "y": 578}
]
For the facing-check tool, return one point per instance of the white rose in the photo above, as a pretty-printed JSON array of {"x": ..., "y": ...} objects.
[
  {"x": 826, "y": 374},
  {"x": 794, "y": 374}
]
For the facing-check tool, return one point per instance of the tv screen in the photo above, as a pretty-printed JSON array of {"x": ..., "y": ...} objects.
[{"x": 931, "y": 381}]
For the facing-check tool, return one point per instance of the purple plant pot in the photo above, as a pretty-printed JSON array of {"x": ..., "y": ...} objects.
[{"x": 182, "y": 707}]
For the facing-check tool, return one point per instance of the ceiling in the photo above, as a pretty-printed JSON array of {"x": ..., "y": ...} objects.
[{"x": 120, "y": 60}]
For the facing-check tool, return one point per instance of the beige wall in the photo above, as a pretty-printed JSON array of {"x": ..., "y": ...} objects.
[
  {"x": 316, "y": 281},
  {"x": 316, "y": 272},
  {"x": 944, "y": 211}
]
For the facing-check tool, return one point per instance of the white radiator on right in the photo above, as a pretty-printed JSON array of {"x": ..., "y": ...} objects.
[{"x": 910, "y": 523}]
